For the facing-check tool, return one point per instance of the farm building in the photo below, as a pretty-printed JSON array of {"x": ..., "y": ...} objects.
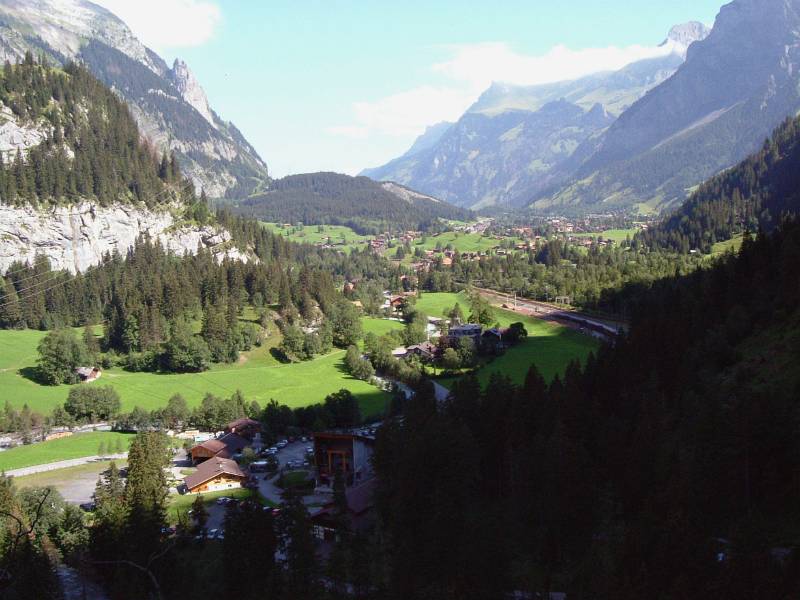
[
  {"x": 426, "y": 350},
  {"x": 346, "y": 451},
  {"x": 227, "y": 446},
  {"x": 87, "y": 374},
  {"x": 247, "y": 428},
  {"x": 215, "y": 474},
  {"x": 469, "y": 330}
]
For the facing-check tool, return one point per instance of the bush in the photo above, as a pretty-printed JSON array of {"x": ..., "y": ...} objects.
[
  {"x": 60, "y": 353},
  {"x": 91, "y": 404}
]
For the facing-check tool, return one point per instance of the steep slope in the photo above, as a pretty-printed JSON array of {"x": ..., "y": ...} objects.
[
  {"x": 77, "y": 182},
  {"x": 734, "y": 88},
  {"x": 429, "y": 138},
  {"x": 517, "y": 141},
  {"x": 169, "y": 104},
  {"x": 314, "y": 198},
  {"x": 755, "y": 194}
]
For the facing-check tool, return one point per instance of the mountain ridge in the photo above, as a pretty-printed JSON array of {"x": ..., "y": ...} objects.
[
  {"x": 482, "y": 160},
  {"x": 169, "y": 104}
]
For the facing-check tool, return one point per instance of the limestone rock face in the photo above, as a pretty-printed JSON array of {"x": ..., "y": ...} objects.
[{"x": 76, "y": 237}]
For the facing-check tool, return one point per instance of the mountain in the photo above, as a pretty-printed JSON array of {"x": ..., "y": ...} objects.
[
  {"x": 516, "y": 142},
  {"x": 360, "y": 202},
  {"x": 168, "y": 103},
  {"x": 735, "y": 87},
  {"x": 76, "y": 180},
  {"x": 754, "y": 195},
  {"x": 429, "y": 138}
]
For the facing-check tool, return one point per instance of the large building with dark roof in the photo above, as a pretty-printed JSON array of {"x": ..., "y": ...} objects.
[{"x": 227, "y": 446}]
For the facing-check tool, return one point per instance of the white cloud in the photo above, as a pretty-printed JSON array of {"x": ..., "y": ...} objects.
[
  {"x": 469, "y": 71},
  {"x": 162, "y": 24},
  {"x": 478, "y": 65}
]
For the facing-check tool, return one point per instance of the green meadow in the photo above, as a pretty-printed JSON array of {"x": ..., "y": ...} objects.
[
  {"x": 551, "y": 347},
  {"x": 379, "y": 326},
  {"x": 618, "y": 235},
  {"x": 258, "y": 374},
  {"x": 463, "y": 242},
  {"x": 315, "y": 234},
  {"x": 74, "y": 446},
  {"x": 734, "y": 244}
]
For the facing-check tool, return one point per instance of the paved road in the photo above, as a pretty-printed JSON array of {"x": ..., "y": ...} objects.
[
  {"x": 63, "y": 464},
  {"x": 267, "y": 487}
]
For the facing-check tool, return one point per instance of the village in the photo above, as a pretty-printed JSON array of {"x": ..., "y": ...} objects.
[{"x": 311, "y": 466}]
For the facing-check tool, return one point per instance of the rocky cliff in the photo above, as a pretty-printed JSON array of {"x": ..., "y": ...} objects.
[
  {"x": 169, "y": 104},
  {"x": 76, "y": 237}
]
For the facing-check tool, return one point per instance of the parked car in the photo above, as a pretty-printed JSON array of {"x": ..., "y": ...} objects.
[
  {"x": 212, "y": 533},
  {"x": 223, "y": 500}
]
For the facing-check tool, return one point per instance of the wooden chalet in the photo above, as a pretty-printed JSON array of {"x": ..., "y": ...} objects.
[
  {"x": 227, "y": 446},
  {"x": 214, "y": 475}
]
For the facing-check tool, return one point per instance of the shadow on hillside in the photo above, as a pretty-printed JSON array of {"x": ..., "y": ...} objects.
[
  {"x": 279, "y": 356},
  {"x": 32, "y": 374}
]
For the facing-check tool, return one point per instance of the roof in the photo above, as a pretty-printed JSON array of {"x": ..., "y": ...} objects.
[
  {"x": 466, "y": 327},
  {"x": 428, "y": 347},
  {"x": 85, "y": 371},
  {"x": 244, "y": 422},
  {"x": 212, "y": 468},
  {"x": 225, "y": 446},
  {"x": 359, "y": 498}
]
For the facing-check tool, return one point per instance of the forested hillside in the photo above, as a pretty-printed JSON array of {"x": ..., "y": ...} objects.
[
  {"x": 84, "y": 144},
  {"x": 666, "y": 468},
  {"x": 336, "y": 199},
  {"x": 753, "y": 195}
]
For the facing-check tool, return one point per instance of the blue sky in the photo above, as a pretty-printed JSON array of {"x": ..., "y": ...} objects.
[{"x": 342, "y": 85}]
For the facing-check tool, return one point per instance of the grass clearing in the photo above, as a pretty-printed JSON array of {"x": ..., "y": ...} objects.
[
  {"x": 617, "y": 235},
  {"x": 341, "y": 236},
  {"x": 258, "y": 374},
  {"x": 180, "y": 505},
  {"x": 550, "y": 346},
  {"x": 380, "y": 326},
  {"x": 74, "y": 446},
  {"x": 58, "y": 477},
  {"x": 463, "y": 242},
  {"x": 735, "y": 243}
]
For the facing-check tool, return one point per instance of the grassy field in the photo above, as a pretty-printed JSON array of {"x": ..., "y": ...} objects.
[
  {"x": 463, "y": 242},
  {"x": 310, "y": 234},
  {"x": 618, "y": 235},
  {"x": 732, "y": 244},
  {"x": 258, "y": 375},
  {"x": 181, "y": 504},
  {"x": 379, "y": 326},
  {"x": 549, "y": 346},
  {"x": 74, "y": 446}
]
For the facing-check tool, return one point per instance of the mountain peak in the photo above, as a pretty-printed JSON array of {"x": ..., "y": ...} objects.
[
  {"x": 191, "y": 90},
  {"x": 681, "y": 36}
]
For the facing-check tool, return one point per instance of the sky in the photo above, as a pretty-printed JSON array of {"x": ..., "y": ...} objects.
[{"x": 341, "y": 85}]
